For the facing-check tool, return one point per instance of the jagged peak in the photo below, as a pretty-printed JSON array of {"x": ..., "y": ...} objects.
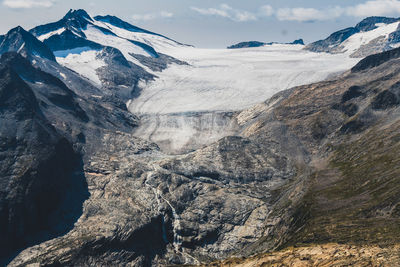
[
  {"x": 78, "y": 13},
  {"x": 20, "y": 40},
  {"x": 18, "y": 29}
]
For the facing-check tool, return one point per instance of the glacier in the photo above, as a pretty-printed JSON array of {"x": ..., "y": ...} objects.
[{"x": 189, "y": 106}]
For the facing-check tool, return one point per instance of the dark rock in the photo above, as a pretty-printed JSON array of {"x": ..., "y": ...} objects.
[
  {"x": 53, "y": 90},
  {"x": 369, "y": 23},
  {"x": 68, "y": 40},
  {"x": 385, "y": 100},
  {"x": 247, "y": 45},
  {"x": 259, "y": 44},
  {"x": 350, "y": 109},
  {"x": 298, "y": 42},
  {"x": 352, "y": 92},
  {"x": 160, "y": 63},
  {"x": 21, "y": 41},
  {"x": 376, "y": 60},
  {"x": 38, "y": 171}
]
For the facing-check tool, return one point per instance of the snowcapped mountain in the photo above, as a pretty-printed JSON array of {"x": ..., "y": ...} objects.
[
  {"x": 372, "y": 35},
  {"x": 106, "y": 50},
  {"x": 180, "y": 90},
  {"x": 77, "y": 29}
]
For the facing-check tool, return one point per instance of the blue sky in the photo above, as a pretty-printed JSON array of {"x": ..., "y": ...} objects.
[{"x": 211, "y": 23}]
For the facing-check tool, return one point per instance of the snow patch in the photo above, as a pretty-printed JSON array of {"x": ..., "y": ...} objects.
[
  {"x": 86, "y": 63},
  {"x": 123, "y": 45},
  {"x": 78, "y": 50},
  {"x": 354, "y": 42},
  {"x": 49, "y": 34},
  {"x": 63, "y": 75},
  {"x": 159, "y": 43}
]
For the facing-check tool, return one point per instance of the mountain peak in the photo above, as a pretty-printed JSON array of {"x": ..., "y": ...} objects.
[
  {"x": 370, "y": 43},
  {"x": 298, "y": 42},
  {"x": 21, "y": 41},
  {"x": 17, "y": 29},
  {"x": 77, "y": 13},
  {"x": 369, "y": 23}
]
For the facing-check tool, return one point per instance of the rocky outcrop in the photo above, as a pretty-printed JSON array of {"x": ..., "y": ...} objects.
[
  {"x": 259, "y": 44},
  {"x": 376, "y": 60}
]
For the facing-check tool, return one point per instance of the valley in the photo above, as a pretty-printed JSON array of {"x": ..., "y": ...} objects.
[{"x": 123, "y": 147}]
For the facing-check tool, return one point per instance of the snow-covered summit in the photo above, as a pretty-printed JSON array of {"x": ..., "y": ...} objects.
[
  {"x": 78, "y": 29},
  {"x": 371, "y": 35},
  {"x": 104, "y": 49}
]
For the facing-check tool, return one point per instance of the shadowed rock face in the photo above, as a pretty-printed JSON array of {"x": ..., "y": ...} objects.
[
  {"x": 37, "y": 172},
  {"x": 21, "y": 41},
  {"x": 376, "y": 60}
]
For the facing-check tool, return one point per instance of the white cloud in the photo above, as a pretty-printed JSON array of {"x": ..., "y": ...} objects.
[
  {"x": 375, "y": 8},
  {"x": 303, "y": 14},
  {"x": 228, "y": 12},
  {"x": 366, "y": 9},
  {"x": 299, "y": 14},
  {"x": 152, "y": 16},
  {"x": 266, "y": 10},
  {"x": 28, "y": 3}
]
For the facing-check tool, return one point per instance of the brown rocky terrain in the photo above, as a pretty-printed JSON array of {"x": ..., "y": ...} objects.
[{"x": 321, "y": 255}]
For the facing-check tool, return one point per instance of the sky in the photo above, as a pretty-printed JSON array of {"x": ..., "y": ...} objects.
[{"x": 211, "y": 23}]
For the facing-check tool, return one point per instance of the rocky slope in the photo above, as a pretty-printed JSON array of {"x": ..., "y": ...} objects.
[
  {"x": 39, "y": 168},
  {"x": 322, "y": 255},
  {"x": 350, "y": 128}
]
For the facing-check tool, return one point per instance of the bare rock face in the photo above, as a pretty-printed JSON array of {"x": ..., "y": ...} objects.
[{"x": 37, "y": 170}]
